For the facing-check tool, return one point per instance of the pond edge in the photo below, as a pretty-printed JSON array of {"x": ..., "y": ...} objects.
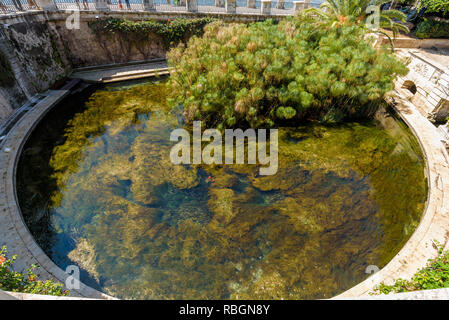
[
  {"x": 433, "y": 228},
  {"x": 434, "y": 224}
]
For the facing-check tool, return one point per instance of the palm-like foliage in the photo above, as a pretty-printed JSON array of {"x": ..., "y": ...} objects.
[{"x": 341, "y": 11}]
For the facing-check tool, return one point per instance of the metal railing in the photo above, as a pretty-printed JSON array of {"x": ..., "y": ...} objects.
[
  {"x": 276, "y": 7},
  {"x": 8, "y": 6}
]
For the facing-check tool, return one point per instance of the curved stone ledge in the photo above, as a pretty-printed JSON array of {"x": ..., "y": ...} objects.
[
  {"x": 434, "y": 225},
  {"x": 13, "y": 230}
]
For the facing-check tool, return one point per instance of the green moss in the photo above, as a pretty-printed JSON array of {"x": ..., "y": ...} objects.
[{"x": 56, "y": 54}]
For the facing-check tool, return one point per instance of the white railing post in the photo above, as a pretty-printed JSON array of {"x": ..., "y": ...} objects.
[
  {"x": 148, "y": 5},
  {"x": 220, "y": 3},
  {"x": 265, "y": 8},
  {"x": 101, "y": 5},
  {"x": 192, "y": 5},
  {"x": 251, "y": 3},
  {"x": 280, "y": 4},
  {"x": 230, "y": 6},
  {"x": 298, "y": 5},
  {"x": 46, "y": 5}
]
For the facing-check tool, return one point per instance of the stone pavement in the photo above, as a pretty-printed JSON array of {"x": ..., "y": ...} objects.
[{"x": 434, "y": 294}]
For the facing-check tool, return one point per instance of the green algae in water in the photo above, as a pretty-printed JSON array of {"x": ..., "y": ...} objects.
[{"x": 344, "y": 197}]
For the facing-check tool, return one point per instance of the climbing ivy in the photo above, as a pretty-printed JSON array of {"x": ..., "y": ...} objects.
[{"x": 171, "y": 31}]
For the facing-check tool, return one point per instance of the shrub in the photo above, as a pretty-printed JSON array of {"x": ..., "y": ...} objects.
[
  {"x": 268, "y": 74},
  {"x": 27, "y": 282},
  {"x": 406, "y": 2},
  {"x": 432, "y": 29},
  {"x": 434, "y": 276},
  {"x": 440, "y": 7}
]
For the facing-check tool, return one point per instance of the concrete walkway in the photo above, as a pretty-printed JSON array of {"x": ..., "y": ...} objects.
[
  {"x": 434, "y": 294},
  {"x": 121, "y": 72}
]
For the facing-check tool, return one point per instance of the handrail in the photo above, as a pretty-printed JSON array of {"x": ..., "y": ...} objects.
[{"x": 267, "y": 7}]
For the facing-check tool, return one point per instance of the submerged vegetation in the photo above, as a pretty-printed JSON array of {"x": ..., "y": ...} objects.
[
  {"x": 145, "y": 228},
  {"x": 268, "y": 74}
]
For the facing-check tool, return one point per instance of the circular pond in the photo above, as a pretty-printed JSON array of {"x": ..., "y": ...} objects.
[{"x": 97, "y": 189}]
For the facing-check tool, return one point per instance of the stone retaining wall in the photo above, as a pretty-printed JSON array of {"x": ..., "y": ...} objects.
[{"x": 42, "y": 50}]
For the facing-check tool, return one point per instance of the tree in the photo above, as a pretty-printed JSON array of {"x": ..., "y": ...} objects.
[
  {"x": 440, "y": 7},
  {"x": 340, "y": 11}
]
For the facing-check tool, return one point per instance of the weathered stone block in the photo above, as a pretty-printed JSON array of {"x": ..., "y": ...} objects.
[{"x": 441, "y": 111}]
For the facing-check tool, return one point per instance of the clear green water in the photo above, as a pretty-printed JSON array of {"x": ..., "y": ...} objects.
[{"x": 97, "y": 189}]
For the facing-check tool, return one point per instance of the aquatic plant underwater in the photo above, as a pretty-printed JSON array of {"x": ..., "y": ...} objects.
[{"x": 345, "y": 196}]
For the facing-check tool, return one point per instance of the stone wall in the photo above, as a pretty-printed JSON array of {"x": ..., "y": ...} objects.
[
  {"x": 84, "y": 48},
  {"x": 41, "y": 49},
  {"x": 428, "y": 81},
  {"x": 34, "y": 58}
]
